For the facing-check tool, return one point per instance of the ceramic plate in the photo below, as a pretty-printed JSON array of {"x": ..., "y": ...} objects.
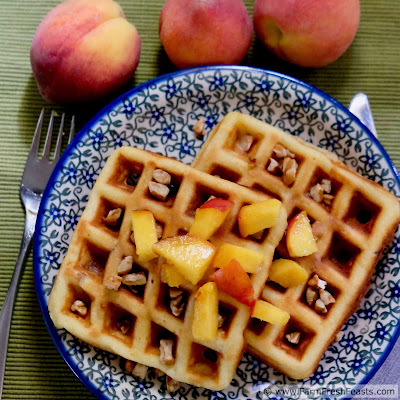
[{"x": 159, "y": 116}]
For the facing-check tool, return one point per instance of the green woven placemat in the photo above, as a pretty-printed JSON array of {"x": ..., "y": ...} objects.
[{"x": 35, "y": 370}]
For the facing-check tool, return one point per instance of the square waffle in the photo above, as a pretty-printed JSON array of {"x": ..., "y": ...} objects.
[
  {"x": 352, "y": 218},
  {"x": 133, "y": 323}
]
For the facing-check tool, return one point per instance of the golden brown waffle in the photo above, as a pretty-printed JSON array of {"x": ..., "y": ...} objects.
[
  {"x": 353, "y": 223},
  {"x": 132, "y": 324}
]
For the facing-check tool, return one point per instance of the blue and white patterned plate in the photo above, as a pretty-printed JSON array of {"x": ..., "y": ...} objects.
[{"x": 159, "y": 116}]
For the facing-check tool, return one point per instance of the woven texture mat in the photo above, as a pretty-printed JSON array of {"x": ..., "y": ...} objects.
[{"x": 35, "y": 370}]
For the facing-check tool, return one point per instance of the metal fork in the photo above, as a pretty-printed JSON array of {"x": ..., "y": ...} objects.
[{"x": 34, "y": 180}]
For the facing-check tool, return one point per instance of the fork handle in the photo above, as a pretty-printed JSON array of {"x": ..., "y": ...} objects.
[{"x": 6, "y": 311}]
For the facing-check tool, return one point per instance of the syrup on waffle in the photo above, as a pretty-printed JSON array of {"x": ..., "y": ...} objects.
[
  {"x": 89, "y": 300},
  {"x": 352, "y": 218}
]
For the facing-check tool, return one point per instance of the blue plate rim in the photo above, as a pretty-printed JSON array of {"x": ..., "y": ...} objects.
[{"x": 175, "y": 74}]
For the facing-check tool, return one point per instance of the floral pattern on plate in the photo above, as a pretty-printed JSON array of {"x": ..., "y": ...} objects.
[{"x": 159, "y": 116}]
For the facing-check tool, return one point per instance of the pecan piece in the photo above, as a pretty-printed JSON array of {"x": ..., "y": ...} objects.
[
  {"x": 326, "y": 185},
  {"x": 200, "y": 127},
  {"x": 134, "y": 279},
  {"x": 140, "y": 370},
  {"x": 293, "y": 337},
  {"x": 315, "y": 281},
  {"x": 280, "y": 151},
  {"x": 113, "y": 217},
  {"x": 320, "y": 307},
  {"x": 289, "y": 170},
  {"x": 161, "y": 176},
  {"x": 128, "y": 366},
  {"x": 326, "y": 297},
  {"x": 159, "y": 190},
  {"x": 166, "y": 347},
  {"x": 177, "y": 305},
  {"x": 317, "y": 193},
  {"x": 244, "y": 143},
  {"x": 79, "y": 308},
  {"x": 273, "y": 165},
  {"x": 311, "y": 296},
  {"x": 328, "y": 199},
  {"x": 125, "y": 265}
]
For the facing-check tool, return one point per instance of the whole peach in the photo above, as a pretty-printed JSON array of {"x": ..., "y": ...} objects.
[
  {"x": 204, "y": 32},
  {"x": 83, "y": 50},
  {"x": 309, "y": 33}
]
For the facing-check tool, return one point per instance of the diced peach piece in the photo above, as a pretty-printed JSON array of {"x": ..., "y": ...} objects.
[
  {"x": 258, "y": 216},
  {"x": 287, "y": 273},
  {"x": 247, "y": 258},
  {"x": 205, "y": 317},
  {"x": 300, "y": 241},
  {"x": 145, "y": 234},
  {"x": 233, "y": 280},
  {"x": 209, "y": 217},
  {"x": 269, "y": 313},
  {"x": 191, "y": 256},
  {"x": 171, "y": 276}
]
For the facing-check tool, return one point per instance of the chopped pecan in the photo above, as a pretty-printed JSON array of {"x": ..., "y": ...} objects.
[
  {"x": 315, "y": 281},
  {"x": 320, "y": 307},
  {"x": 123, "y": 325},
  {"x": 172, "y": 385},
  {"x": 273, "y": 165},
  {"x": 289, "y": 170},
  {"x": 290, "y": 154},
  {"x": 161, "y": 176},
  {"x": 79, "y": 308},
  {"x": 317, "y": 193},
  {"x": 293, "y": 337},
  {"x": 328, "y": 199},
  {"x": 166, "y": 347},
  {"x": 280, "y": 151},
  {"x": 177, "y": 305},
  {"x": 113, "y": 217},
  {"x": 140, "y": 370},
  {"x": 326, "y": 185},
  {"x": 311, "y": 296},
  {"x": 129, "y": 365},
  {"x": 159, "y": 190},
  {"x": 113, "y": 282},
  {"x": 200, "y": 127},
  {"x": 326, "y": 297},
  {"x": 134, "y": 279},
  {"x": 125, "y": 265},
  {"x": 244, "y": 143}
]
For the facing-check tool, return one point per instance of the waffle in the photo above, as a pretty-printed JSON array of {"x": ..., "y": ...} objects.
[
  {"x": 352, "y": 220},
  {"x": 133, "y": 323}
]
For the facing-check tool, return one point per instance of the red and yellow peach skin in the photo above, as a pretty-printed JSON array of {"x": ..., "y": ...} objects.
[
  {"x": 84, "y": 50},
  {"x": 308, "y": 33},
  {"x": 205, "y": 32}
]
